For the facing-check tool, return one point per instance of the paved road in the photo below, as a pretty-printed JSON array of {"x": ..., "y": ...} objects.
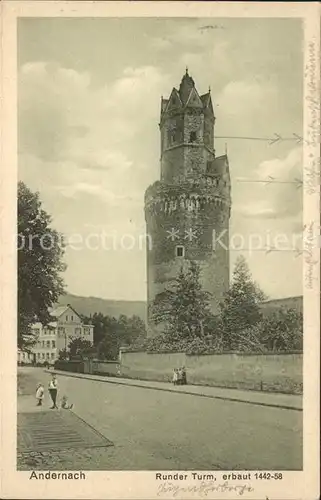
[
  {"x": 287, "y": 401},
  {"x": 158, "y": 430}
]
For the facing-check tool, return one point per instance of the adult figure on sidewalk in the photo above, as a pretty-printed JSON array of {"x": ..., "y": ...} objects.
[
  {"x": 179, "y": 376},
  {"x": 53, "y": 390},
  {"x": 184, "y": 377}
]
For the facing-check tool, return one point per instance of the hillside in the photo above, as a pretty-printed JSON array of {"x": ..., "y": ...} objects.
[{"x": 90, "y": 305}]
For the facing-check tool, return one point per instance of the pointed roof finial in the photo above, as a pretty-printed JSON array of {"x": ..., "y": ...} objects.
[
  {"x": 209, "y": 89},
  {"x": 226, "y": 148},
  {"x": 186, "y": 70}
]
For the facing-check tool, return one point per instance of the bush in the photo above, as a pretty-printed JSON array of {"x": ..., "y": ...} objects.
[
  {"x": 206, "y": 345},
  {"x": 280, "y": 332},
  {"x": 69, "y": 366}
]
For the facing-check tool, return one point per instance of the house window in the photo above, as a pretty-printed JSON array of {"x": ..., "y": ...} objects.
[
  {"x": 52, "y": 355},
  {"x": 192, "y": 136},
  {"x": 48, "y": 355},
  {"x": 53, "y": 343},
  {"x": 43, "y": 355},
  {"x": 72, "y": 318},
  {"x": 48, "y": 344},
  {"x": 38, "y": 355},
  {"x": 180, "y": 251},
  {"x": 61, "y": 330},
  {"x": 66, "y": 318},
  {"x": 77, "y": 331},
  {"x": 86, "y": 330}
]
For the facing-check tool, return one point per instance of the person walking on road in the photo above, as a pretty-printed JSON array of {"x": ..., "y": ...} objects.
[{"x": 53, "y": 389}]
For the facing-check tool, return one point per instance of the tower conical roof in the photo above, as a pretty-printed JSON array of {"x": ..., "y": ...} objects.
[{"x": 186, "y": 86}]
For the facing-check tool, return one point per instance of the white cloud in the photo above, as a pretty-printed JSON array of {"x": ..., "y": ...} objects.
[
  {"x": 242, "y": 99},
  {"x": 277, "y": 193},
  {"x": 96, "y": 128}
]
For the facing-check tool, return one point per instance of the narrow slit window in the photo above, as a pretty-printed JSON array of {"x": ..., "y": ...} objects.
[
  {"x": 192, "y": 136},
  {"x": 180, "y": 251}
]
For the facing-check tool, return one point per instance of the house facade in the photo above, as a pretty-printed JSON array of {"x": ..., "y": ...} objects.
[{"x": 66, "y": 325}]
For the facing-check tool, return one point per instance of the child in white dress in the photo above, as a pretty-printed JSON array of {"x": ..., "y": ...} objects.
[
  {"x": 39, "y": 394},
  {"x": 175, "y": 376}
]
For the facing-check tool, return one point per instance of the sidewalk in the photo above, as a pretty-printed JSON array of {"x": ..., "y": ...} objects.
[{"x": 283, "y": 401}]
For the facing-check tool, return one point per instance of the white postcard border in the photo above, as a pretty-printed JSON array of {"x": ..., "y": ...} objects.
[{"x": 142, "y": 484}]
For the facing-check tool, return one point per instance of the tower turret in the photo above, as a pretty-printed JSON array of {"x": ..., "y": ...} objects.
[{"x": 189, "y": 207}]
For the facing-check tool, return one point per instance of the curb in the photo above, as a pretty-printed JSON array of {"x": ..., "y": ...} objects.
[{"x": 223, "y": 398}]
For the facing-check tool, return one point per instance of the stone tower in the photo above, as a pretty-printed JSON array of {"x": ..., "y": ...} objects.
[{"x": 187, "y": 212}]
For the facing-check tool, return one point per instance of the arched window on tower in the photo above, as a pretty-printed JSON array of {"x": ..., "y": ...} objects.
[{"x": 172, "y": 133}]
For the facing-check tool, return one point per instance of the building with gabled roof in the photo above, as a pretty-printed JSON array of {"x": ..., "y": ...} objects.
[{"x": 56, "y": 335}]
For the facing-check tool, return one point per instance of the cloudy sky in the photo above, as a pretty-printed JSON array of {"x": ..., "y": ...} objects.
[{"x": 89, "y": 103}]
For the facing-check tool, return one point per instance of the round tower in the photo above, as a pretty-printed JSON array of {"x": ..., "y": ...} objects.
[{"x": 187, "y": 212}]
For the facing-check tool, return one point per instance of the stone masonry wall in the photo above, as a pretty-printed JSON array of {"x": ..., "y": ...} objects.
[{"x": 272, "y": 372}]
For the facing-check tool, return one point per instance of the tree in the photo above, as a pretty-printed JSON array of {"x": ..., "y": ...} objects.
[
  {"x": 240, "y": 309},
  {"x": 111, "y": 333},
  {"x": 63, "y": 355},
  {"x": 100, "y": 324},
  {"x": 183, "y": 309},
  {"x": 80, "y": 348},
  {"x": 282, "y": 330},
  {"x": 108, "y": 348},
  {"x": 40, "y": 253},
  {"x": 135, "y": 331}
]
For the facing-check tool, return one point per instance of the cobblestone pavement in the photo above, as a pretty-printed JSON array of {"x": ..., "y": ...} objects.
[
  {"x": 85, "y": 459},
  {"x": 65, "y": 459}
]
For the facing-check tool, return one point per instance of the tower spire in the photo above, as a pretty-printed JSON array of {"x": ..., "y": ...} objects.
[{"x": 186, "y": 86}]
